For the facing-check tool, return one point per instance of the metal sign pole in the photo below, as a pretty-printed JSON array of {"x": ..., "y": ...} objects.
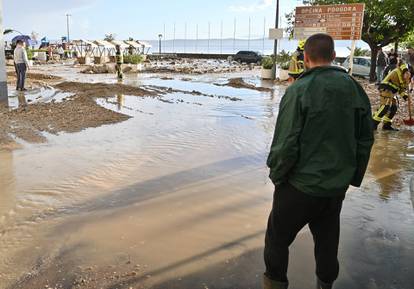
[{"x": 3, "y": 74}]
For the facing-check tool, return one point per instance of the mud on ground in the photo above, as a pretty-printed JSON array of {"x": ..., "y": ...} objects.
[
  {"x": 34, "y": 79},
  {"x": 81, "y": 111},
  {"x": 74, "y": 114},
  {"x": 103, "y": 89},
  {"x": 28, "y": 123},
  {"x": 240, "y": 83},
  {"x": 181, "y": 66}
]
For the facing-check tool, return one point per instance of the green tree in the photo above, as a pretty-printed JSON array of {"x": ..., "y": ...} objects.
[
  {"x": 408, "y": 40},
  {"x": 385, "y": 22}
]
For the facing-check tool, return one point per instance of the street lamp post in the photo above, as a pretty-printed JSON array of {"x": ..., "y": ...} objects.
[
  {"x": 3, "y": 75},
  {"x": 275, "y": 46},
  {"x": 67, "y": 26},
  {"x": 159, "y": 43}
]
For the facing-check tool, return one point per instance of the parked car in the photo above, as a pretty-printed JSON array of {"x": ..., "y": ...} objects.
[
  {"x": 248, "y": 57},
  {"x": 9, "y": 53},
  {"x": 362, "y": 65}
]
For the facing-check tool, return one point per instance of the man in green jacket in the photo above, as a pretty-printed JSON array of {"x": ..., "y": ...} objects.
[{"x": 321, "y": 146}]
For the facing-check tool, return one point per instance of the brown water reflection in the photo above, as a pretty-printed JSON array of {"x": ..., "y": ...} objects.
[
  {"x": 7, "y": 183},
  {"x": 392, "y": 157}
]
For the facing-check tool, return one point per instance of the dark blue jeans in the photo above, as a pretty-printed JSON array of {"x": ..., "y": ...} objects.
[
  {"x": 21, "y": 69},
  {"x": 292, "y": 210}
]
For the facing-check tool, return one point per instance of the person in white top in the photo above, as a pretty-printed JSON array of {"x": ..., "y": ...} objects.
[
  {"x": 61, "y": 52},
  {"x": 22, "y": 64}
]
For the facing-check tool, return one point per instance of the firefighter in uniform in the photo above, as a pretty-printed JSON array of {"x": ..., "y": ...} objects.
[
  {"x": 396, "y": 82},
  {"x": 119, "y": 62},
  {"x": 297, "y": 64}
]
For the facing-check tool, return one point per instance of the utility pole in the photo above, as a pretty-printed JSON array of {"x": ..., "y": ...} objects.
[
  {"x": 4, "y": 98},
  {"x": 174, "y": 39},
  {"x": 67, "y": 26},
  {"x": 159, "y": 43},
  {"x": 264, "y": 34},
  {"x": 234, "y": 35},
  {"x": 275, "y": 46},
  {"x": 221, "y": 37},
  {"x": 196, "y": 44},
  {"x": 209, "y": 35},
  {"x": 250, "y": 32},
  {"x": 185, "y": 37},
  {"x": 165, "y": 38}
]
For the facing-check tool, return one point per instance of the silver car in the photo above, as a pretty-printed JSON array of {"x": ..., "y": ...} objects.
[{"x": 362, "y": 65}]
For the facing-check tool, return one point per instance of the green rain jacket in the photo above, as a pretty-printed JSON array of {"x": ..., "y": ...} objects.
[{"x": 324, "y": 134}]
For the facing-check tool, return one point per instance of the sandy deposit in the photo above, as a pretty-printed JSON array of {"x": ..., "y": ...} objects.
[
  {"x": 109, "y": 68},
  {"x": 103, "y": 89},
  {"x": 34, "y": 79},
  {"x": 74, "y": 115},
  {"x": 165, "y": 90},
  {"x": 71, "y": 115},
  {"x": 240, "y": 83},
  {"x": 182, "y": 66},
  {"x": 194, "y": 66},
  {"x": 81, "y": 111}
]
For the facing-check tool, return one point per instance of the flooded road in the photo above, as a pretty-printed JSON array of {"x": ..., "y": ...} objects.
[{"x": 178, "y": 196}]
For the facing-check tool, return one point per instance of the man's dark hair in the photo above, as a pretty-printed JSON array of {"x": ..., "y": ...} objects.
[
  {"x": 19, "y": 42},
  {"x": 320, "y": 48}
]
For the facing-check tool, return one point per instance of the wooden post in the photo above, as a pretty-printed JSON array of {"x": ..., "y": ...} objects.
[{"x": 351, "y": 57}]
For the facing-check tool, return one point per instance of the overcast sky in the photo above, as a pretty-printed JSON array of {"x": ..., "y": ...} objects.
[{"x": 141, "y": 19}]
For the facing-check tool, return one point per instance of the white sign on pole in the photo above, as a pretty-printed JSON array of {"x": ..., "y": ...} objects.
[
  {"x": 275, "y": 33},
  {"x": 303, "y": 33}
]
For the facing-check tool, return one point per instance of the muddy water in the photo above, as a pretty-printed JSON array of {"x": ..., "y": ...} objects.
[{"x": 178, "y": 196}]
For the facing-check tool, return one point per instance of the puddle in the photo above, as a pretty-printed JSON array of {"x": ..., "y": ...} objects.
[
  {"x": 178, "y": 195},
  {"x": 37, "y": 95}
]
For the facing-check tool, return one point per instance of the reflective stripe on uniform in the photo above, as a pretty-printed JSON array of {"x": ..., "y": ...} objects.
[
  {"x": 400, "y": 76},
  {"x": 296, "y": 66},
  {"x": 386, "y": 119},
  {"x": 387, "y": 79},
  {"x": 376, "y": 116}
]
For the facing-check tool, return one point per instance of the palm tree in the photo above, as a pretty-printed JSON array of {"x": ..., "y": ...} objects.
[
  {"x": 361, "y": 52},
  {"x": 8, "y": 31},
  {"x": 110, "y": 37}
]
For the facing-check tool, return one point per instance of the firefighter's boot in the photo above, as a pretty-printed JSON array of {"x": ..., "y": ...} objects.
[{"x": 388, "y": 126}]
